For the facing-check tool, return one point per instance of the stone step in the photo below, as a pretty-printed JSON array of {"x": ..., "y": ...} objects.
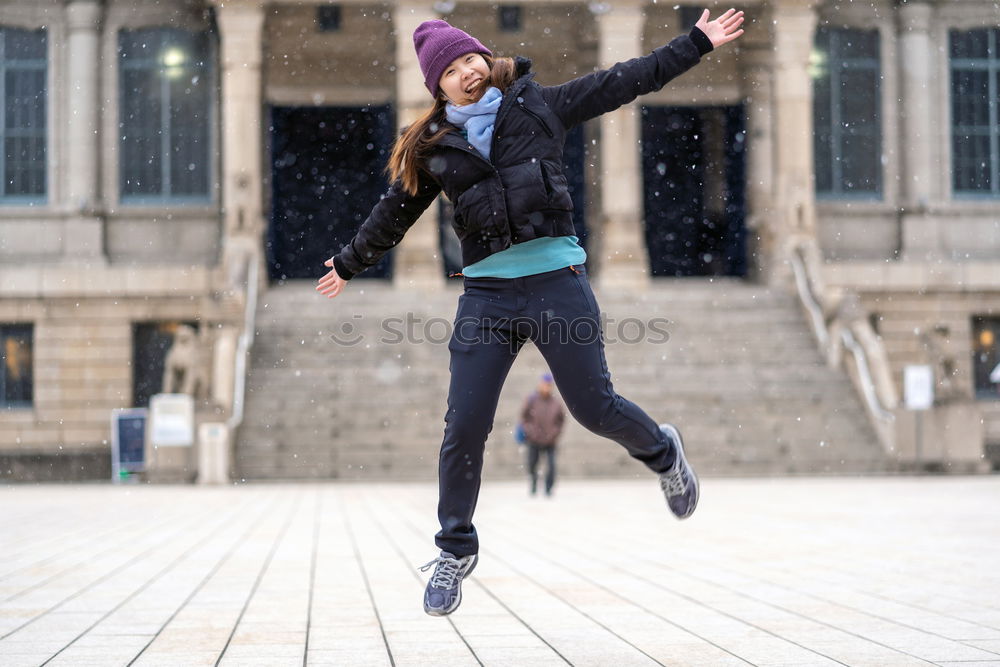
[
  {"x": 774, "y": 392},
  {"x": 714, "y": 406},
  {"x": 748, "y": 459},
  {"x": 620, "y": 324},
  {"x": 741, "y": 293},
  {"x": 802, "y": 396},
  {"x": 700, "y": 443},
  {"x": 740, "y": 372},
  {"x": 387, "y": 306},
  {"x": 676, "y": 346},
  {"x": 664, "y": 370},
  {"x": 346, "y": 436}
]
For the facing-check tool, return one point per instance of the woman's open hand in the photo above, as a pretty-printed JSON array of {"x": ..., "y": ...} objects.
[
  {"x": 330, "y": 284},
  {"x": 723, "y": 29}
]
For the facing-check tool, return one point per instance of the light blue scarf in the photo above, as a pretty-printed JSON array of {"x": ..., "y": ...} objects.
[{"x": 477, "y": 119}]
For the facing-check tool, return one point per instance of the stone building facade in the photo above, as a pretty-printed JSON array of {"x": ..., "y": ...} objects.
[{"x": 149, "y": 162}]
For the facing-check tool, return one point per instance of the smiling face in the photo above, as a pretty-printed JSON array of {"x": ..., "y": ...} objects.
[{"x": 461, "y": 79}]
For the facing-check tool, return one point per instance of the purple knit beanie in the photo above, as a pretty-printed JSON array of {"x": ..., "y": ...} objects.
[{"x": 437, "y": 44}]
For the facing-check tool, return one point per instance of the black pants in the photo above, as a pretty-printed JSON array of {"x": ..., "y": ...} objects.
[
  {"x": 557, "y": 311},
  {"x": 534, "y": 454}
]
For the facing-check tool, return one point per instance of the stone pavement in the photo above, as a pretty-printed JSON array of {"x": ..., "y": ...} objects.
[{"x": 821, "y": 571}]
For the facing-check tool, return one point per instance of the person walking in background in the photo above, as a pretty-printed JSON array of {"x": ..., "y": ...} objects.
[
  {"x": 493, "y": 142},
  {"x": 542, "y": 417}
]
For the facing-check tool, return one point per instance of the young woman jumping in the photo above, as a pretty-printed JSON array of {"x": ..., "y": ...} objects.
[{"x": 493, "y": 143}]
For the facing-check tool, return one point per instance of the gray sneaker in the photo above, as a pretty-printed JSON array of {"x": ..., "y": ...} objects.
[
  {"x": 444, "y": 590},
  {"x": 679, "y": 484}
]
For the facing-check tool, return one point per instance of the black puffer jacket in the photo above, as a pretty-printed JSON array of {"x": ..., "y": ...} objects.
[{"x": 520, "y": 193}]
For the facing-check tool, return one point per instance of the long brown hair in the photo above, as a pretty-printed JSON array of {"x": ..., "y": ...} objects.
[{"x": 414, "y": 143}]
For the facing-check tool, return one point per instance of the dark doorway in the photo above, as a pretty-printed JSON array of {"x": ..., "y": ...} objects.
[
  {"x": 574, "y": 159},
  {"x": 326, "y": 165},
  {"x": 694, "y": 173}
]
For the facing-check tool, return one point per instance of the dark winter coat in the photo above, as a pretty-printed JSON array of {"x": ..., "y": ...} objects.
[
  {"x": 542, "y": 418},
  {"x": 520, "y": 193}
]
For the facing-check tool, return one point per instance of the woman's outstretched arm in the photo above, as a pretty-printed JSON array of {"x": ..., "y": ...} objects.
[
  {"x": 594, "y": 94},
  {"x": 385, "y": 227},
  {"x": 722, "y": 30}
]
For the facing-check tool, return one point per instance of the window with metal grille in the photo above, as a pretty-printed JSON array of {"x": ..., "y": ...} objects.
[
  {"x": 165, "y": 115},
  {"x": 16, "y": 365},
  {"x": 847, "y": 113},
  {"x": 986, "y": 356},
  {"x": 23, "y": 111},
  {"x": 509, "y": 18},
  {"x": 975, "y": 117}
]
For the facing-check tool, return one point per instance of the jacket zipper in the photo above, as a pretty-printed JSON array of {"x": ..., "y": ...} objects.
[
  {"x": 468, "y": 148},
  {"x": 536, "y": 117},
  {"x": 493, "y": 142},
  {"x": 514, "y": 91}
]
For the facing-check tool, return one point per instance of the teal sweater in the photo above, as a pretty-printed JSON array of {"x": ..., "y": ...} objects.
[{"x": 547, "y": 253}]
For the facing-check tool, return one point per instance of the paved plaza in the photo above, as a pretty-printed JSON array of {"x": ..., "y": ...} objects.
[{"x": 804, "y": 571}]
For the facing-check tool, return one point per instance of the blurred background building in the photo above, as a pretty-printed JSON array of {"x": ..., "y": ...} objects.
[{"x": 814, "y": 208}]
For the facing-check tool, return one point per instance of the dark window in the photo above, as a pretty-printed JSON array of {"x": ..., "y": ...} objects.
[
  {"x": 23, "y": 102},
  {"x": 328, "y": 18},
  {"x": 509, "y": 18},
  {"x": 690, "y": 16},
  {"x": 151, "y": 342},
  {"x": 16, "y": 365},
  {"x": 165, "y": 115},
  {"x": 986, "y": 356},
  {"x": 847, "y": 116},
  {"x": 975, "y": 117}
]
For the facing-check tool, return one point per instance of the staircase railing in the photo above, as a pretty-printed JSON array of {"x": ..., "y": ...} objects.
[
  {"x": 809, "y": 300},
  {"x": 243, "y": 345},
  {"x": 865, "y": 373},
  {"x": 805, "y": 269}
]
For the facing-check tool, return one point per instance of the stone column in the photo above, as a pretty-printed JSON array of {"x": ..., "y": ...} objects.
[
  {"x": 241, "y": 25},
  {"x": 756, "y": 64},
  {"x": 915, "y": 53},
  {"x": 223, "y": 362},
  {"x": 624, "y": 260},
  {"x": 794, "y": 212},
  {"x": 83, "y": 237},
  {"x": 417, "y": 261}
]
